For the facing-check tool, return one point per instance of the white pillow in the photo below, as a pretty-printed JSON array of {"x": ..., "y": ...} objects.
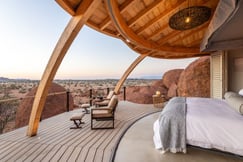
[
  {"x": 230, "y": 94},
  {"x": 241, "y": 92},
  {"x": 235, "y": 101}
]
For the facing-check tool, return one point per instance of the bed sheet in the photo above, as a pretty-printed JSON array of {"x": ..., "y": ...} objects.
[{"x": 210, "y": 123}]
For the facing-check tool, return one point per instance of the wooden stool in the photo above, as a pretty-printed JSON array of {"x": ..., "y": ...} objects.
[
  {"x": 85, "y": 107},
  {"x": 77, "y": 119}
]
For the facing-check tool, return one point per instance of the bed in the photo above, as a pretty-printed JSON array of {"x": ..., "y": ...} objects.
[{"x": 209, "y": 123}]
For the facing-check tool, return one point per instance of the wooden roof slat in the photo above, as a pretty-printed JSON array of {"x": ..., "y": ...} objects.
[
  {"x": 143, "y": 13},
  {"x": 156, "y": 19},
  {"x": 122, "y": 8},
  {"x": 145, "y": 24},
  {"x": 66, "y": 6},
  {"x": 130, "y": 35}
]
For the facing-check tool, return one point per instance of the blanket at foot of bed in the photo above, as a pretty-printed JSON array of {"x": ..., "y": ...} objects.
[{"x": 172, "y": 128}]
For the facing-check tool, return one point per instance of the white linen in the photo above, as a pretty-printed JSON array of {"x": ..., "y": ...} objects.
[
  {"x": 156, "y": 137},
  {"x": 241, "y": 92},
  {"x": 211, "y": 123}
]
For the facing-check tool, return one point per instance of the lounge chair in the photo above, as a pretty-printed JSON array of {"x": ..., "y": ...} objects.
[
  {"x": 105, "y": 113},
  {"x": 105, "y": 101}
]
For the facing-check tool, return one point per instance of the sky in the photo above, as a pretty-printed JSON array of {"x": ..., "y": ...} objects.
[{"x": 29, "y": 31}]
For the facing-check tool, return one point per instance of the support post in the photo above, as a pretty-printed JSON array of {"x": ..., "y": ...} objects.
[
  {"x": 68, "y": 93},
  {"x": 124, "y": 93},
  {"x": 90, "y": 97},
  {"x": 83, "y": 12},
  {"x": 127, "y": 72}
]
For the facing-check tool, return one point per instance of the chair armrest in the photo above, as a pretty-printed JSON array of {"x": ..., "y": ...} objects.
[{"x": 102, "y": 108}]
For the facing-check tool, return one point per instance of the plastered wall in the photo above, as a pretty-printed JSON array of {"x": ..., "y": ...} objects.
[{"x": 235, "y": 70}]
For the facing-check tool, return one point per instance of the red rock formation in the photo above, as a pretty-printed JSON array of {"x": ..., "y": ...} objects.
[
  {"x": 55, "y": 104},
  {"x": 171, "y": 76},
  {"x": 195, "y": 79},
  {"x": 142, "y": 94},
  {"x": 172, "y": 92}
]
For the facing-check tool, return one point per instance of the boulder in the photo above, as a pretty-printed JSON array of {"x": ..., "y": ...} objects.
[
  {"x": 194, "y": 81},
  {"x": 172, "y": 92},
  {"x": 55, "y": 104},
  {"x": 171, "y": 76},
  {"x": 143, "y": 94}
]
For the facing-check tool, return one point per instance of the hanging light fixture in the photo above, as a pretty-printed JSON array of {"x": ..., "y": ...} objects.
[{"x": 189, "y": 17}]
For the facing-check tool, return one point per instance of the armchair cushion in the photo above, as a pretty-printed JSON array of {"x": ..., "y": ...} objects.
[
  {"x": 101, "y": 114},
  {"x": 105, "y": 113},
  {"x": 113, "y": 102}
]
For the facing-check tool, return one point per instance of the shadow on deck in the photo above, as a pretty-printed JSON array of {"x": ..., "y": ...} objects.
[{"x": 56, "y": 142}]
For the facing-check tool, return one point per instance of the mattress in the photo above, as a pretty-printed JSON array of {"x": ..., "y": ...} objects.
[{"x": 210, "y": 123}]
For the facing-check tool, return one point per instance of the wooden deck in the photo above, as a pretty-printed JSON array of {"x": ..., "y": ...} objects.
[{"x": 56, "y": 142}]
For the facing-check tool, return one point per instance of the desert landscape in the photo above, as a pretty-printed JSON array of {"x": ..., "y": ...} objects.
[{"x": 14, "y": 91}]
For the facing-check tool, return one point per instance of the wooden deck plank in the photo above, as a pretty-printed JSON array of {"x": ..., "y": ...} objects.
[
  {"x": 4, "y": 144},
  {"x": 58, "y": 155},
  {"x": 56, "y": 142},
  {"x": 51, "y": 153},
  {"x": 10, "y": 155},
  {"x": 42, "y": 154},
  {"x": 29, "y": 150},
  {"x": 33, "y": 156},
  {"x": 67, "y": 153},
  {"x": 75, "y": 154},
  {"x": 9, "y": 149}
]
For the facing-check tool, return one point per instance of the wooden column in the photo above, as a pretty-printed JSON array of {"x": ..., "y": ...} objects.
[
  {"x": 71, "y": 31},
  {"x": 128, "y": 71}
]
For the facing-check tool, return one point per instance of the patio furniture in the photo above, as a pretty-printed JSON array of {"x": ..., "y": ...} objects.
[
  {"x": 104, "y": 101},
  {"x": 158, "y": 101},
  {"x": 77, "y": 119},
  {"x": 85, "y": 107},
  {"x": 105, "y": 113}
]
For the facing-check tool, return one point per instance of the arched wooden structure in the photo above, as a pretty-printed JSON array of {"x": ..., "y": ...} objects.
[
  {"x": 75, "y": 24},
  {"x": 141, "y": 24},
  {"x": 128, "y": 71}
]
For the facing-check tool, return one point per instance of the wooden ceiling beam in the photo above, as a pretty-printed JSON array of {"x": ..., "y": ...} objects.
[
  {"x": 143, "y": 13},
  {"x": 122, "y": 8},
  {"x": 66, "y": 6},
  {"x": 164, "y": 13},
  {"x": 106, "y": 31},
  {"x": 127, "y": 33}
]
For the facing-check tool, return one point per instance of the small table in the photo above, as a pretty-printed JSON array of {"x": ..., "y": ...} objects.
[{"x": 158, "y": 101}]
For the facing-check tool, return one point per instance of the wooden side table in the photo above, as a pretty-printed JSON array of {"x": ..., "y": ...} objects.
[{"x": 158, "y": 101}]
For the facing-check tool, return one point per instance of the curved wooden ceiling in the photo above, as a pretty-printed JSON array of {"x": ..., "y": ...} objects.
[{"x": 143, "y": 25}]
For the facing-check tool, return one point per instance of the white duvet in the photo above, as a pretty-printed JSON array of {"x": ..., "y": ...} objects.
[{"x": 210, "y": 123}]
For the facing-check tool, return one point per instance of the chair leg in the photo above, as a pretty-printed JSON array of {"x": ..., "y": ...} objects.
[
  {"x": 92, "y": 124},
  {"x": 77, "y": 124},
  {"x": 111, "y": 127}
]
